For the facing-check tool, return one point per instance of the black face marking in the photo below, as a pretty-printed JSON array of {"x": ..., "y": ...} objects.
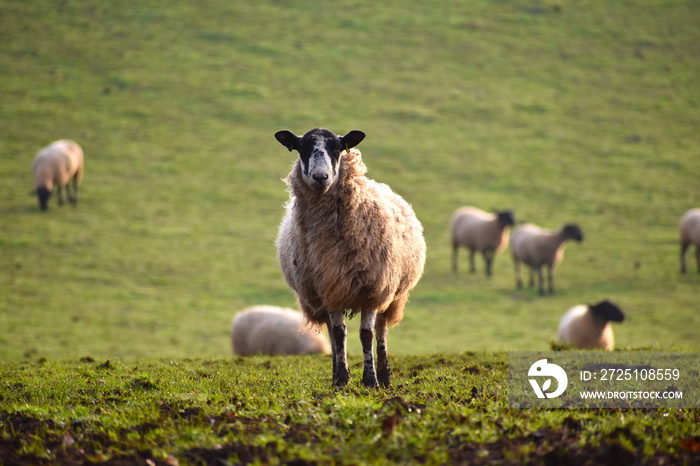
[
  {"x": 573, "y": 231},
  {"x": 505, "y": 218},
  {"x": 44, "y": 195},
  {"x": 319, "y": 143},
  {"x": 319, "y": 154},
  {"x": 608, "y": 311}
]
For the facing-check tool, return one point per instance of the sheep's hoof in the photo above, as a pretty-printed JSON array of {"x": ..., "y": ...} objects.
[
  {"x": 369, "y": 381},
  {"x": 384, "y": 378},
  {"x": 341, "y": 380}
]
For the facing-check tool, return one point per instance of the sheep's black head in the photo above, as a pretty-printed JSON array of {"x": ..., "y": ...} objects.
[
  {"x": 44, "y": 194},
  {"x": 573, "y": 231},
  {"x": 607, "y": 311},
  {"x": 505, "y": 218},
  {"x": 319, "y": 153}
]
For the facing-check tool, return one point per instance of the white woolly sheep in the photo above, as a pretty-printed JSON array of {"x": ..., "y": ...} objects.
[
  {"x": 274, "y": 330},
  {"x": 481, "y": 231},
  {"x": 57, "y": 165},
  {"x": 589, "y": 327},
  {"x": 347, "y": 245},
  {"x": 536, "y": 248},
  {"x": 690, "y": 235}
]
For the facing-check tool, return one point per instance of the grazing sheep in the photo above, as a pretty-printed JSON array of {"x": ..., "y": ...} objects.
[
  {"x": 589, "y": 326},
  {"x": 477, "y": 230},
  {"x": 347, "y": 245},
  {"x": 690, "y": 234},
  {"x": 57, "y": 165},
  {"x": 274, "y": 330},
  {"x": 536, "y": 247}
]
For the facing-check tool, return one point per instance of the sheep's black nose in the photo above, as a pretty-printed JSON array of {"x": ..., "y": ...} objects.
[{"x": 320, "y": 178}]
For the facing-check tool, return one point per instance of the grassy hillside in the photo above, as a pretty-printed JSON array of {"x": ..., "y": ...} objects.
[{"x": 569, "y": 111}]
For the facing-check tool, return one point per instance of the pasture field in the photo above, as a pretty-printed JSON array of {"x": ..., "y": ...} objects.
[
  {"x": 574, "y": 111},
  {"x": 115, "y": 313}
]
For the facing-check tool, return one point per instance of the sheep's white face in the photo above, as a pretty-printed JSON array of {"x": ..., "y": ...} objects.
[{"x": 319, "y": 155}]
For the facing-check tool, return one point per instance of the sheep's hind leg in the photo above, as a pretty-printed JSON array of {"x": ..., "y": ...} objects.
[
  {"x": 383, "y": 371},
  {"x": 339, "y": 335},
  {"x": 72, "y": 190},
  {"x": 59, "y": 194},
  {"x": 369, "y": 375}
]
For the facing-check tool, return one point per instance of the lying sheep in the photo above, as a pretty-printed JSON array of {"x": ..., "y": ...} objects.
[
  {"x": 477, "y": 230},
  {"x": 690, "y": 234},
  {"x": 274, "y": 330},
  {"x": 536, "y": 248},
  {"x": 347, "y": 245},
  {"x": 57, "y": 165},
  {"x": 589, "y": 327}
]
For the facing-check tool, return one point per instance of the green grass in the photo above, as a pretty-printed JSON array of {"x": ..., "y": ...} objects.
[
  {"x": 441, "y": 409},
  {"x": 569, "y": 111}
]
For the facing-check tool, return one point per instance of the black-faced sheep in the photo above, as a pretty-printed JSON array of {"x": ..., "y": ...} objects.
[
  {"x": 347, "y": 245},
  {"x": 274, "y": 330},
  {"x": 690, "y": 235},
  {"x": 535, "y": 247},
  {"x": 55, "y": 166},
  {"x": 477, "y": 230},
  {"x": 589, "y": 327}
]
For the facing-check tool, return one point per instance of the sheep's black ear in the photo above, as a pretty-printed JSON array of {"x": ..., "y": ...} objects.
[
  {"x": 288, "y": 139},
  {"x": 352, "y": 139}
]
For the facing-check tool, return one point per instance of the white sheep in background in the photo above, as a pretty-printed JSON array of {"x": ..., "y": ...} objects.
[
  {"x": 481, "y": 231},
  {"x": 589, "y": 327},
  {"x": 347, "y": 245},
  {"x": 536, "y": 248},
  {"x": 690, "y": 235},
  {"x": 274, "y": 330},
  {"x": 55, "y": 166}
]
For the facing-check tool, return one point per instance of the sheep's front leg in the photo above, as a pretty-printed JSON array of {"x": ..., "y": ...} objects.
[
  {"x": 383, "y": 371},
  {"x": 540, "y": 279},
  {"x": 488, "y": 258},
  {"x": 518, "y": 275},
  {"x": 684, "y": 247},
  {"x": 550, "y": 278},
  {"x": 369, "y": 376},
  {"x": 455, "y": 258},
  {"x": 338, "y": 335}
]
